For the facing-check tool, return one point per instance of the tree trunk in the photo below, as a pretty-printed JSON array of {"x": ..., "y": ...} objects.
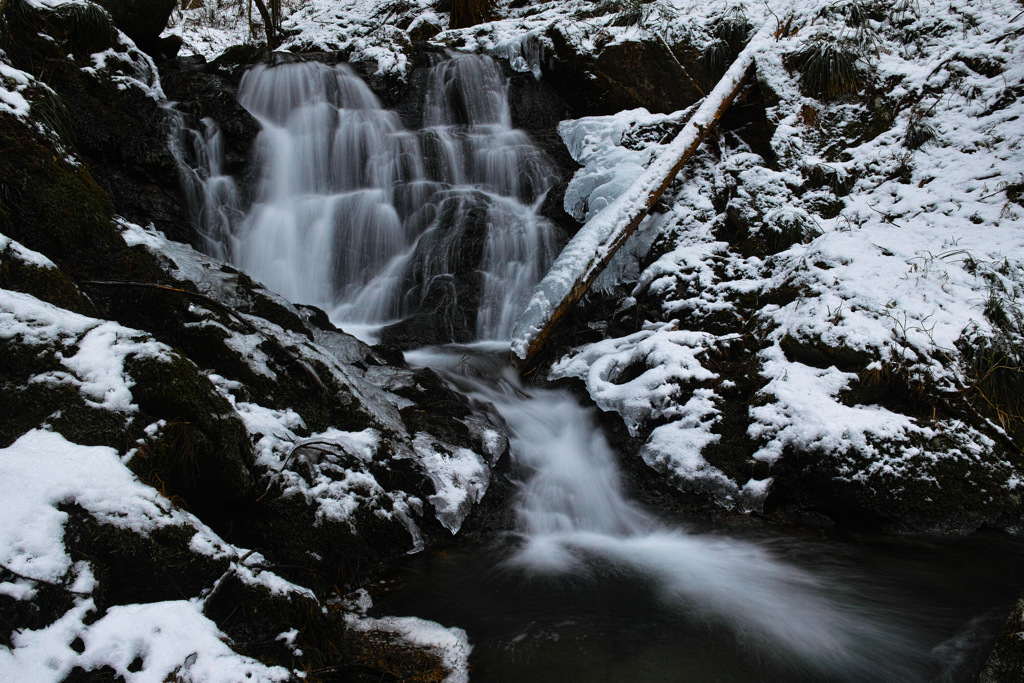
[
  {"x": 591, "y": 249},
  {"x": 466, "y": 13},
  {"x": 268, "y": 25}
]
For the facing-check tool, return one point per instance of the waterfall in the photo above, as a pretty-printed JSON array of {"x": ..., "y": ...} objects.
[
  {"x": 355, "y": 213},
  {"x": 573, "y": 519},
  {"x": 211, "y": 195},
  {"x": 373, "y": 222}
]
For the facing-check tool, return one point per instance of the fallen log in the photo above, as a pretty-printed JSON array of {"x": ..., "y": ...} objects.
[{"x": 593, "y": 247}]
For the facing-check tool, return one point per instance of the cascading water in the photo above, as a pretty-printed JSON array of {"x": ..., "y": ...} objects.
[
  {"x": 371, "y": 221},
  {"x": 574, "y": 520},
  {"x": 211, "y": 195},
  {"x": 375, "y": 222}
]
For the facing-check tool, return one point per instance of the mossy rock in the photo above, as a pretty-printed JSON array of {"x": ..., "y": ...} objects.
[
  {"x": 119, "y": 133},
  {"x": 142, "y": 20},
  {"x": 322, "y": 552},
  {"x": 950, "y": 494},
  {"x": 253, "y": 616},
  {"x": 28, "y": 405},
  {"x": 132, "y": 567},
  {"x": 57, "y": 209},
  {"x": 1006, "y": 663},
  {"x": 817, "y": 354},
  {"x": 376, "y": 655},
  {"x": 202, "y": 454},
  {"x": 44, "y": 283}
]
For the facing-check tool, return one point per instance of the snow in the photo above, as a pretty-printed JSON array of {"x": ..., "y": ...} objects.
[
  {"x": 92, "y": 477},
  {"x": 805, "y": 413},
  {"x": 12, "y": 83},
  {"x": 10, "y": 249},
  {"x": 602, "y": 235},
  {"x": 92, "y": 352},
  {"x": 173, "y": 641},
  {"x": 459, "y": 475},
  {"x": 143, "y": 74},
  {"x": 662, "y": 361},
  {"x": 609, "y": 169}
]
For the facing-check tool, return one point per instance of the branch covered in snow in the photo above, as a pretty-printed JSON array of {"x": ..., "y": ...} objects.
[{"x": 586, "y": 255}]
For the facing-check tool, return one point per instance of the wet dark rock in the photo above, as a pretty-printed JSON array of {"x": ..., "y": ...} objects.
[
  {"x": 142, "y": 20},
  {"x": 205, "y": 92},
  {"x": 444, "y": 304},
  {"x": 423, "y": 30},
  {"x": 124, "y": 146},
  {"x": 1006, "y": 663},
  {"x": 621, "y": 76}
]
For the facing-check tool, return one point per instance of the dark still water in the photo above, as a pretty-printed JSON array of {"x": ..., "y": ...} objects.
[{"x": 893, "y": 610}]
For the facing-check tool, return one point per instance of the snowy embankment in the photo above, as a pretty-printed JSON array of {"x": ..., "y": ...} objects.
[{"x": 841, "y": 279}]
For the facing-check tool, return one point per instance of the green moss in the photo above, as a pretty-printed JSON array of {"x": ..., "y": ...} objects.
[
  {"x": 47, "y": 284},
  {"x": 131, "y": 567},
  {"x": 53, "y": 207},
  {"x": 203, "y": 453}
]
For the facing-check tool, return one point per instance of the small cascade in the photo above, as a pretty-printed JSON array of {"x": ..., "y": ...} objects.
[
  {"x": 376, "y": 223},
  {"x": 211, "y": 195},
  {"x": 326, "y": 218},
  {"x": 574, "y": 521}
]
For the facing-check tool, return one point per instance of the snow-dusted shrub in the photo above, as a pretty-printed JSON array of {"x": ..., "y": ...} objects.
[
  {"x": 919, "y": 131},
  {"x": 828, "y": 66},
  {"x": 994, "y": 361}
]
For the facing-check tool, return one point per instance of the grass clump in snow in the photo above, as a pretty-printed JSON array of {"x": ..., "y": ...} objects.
[
  {"x": 86, "y": 28},
  {"x": 828, "y": 66},
  {"x": 730, "y": 34},
  {"x": 994, "y": 362},
  {"x": 919, "y": 131}
]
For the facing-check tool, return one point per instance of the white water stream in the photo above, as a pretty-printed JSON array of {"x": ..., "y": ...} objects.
[
  {"x": 355, "y": 213},
  {"x": 366, "y": 219},
  {"x": 573, "y": 519}
]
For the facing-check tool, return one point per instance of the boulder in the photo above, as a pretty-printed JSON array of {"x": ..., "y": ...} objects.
[{"x": 142, "y": 20}]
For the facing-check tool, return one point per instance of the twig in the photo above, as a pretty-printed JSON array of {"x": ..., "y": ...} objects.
[
  {"x": 43, "y": 581},
  {"x": 310, "y": 373},
  {"x": 680, "y": 64}
]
